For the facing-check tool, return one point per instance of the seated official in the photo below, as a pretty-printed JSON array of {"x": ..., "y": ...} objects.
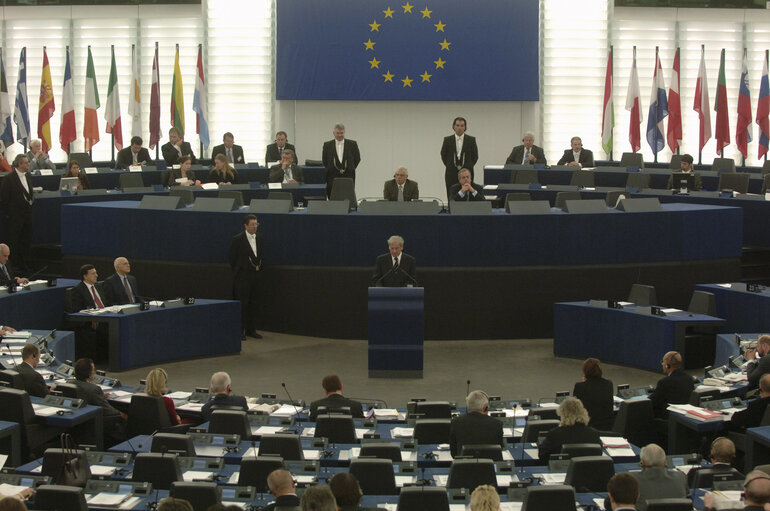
[
  {"x": 656, "y": 481},
  {"x": 183, "y": 176},
  {"x": 176, "y": 147},
  {"x": 221, "y": 393},
  {"x": 401, "y": 188},
  {"x": 318, "y": 498},
  {"x": 157, "y": 381},
  {"x": 622, "y": 492},
  {"x": 475, "y": 427},
  {"x": 334, "y": 399},
  {"x": 347, "y": 492},
  {"x": 274, "y": 150},
  {"x": 37, "y": 158},
  {"x": 34, "y": 383},
  {"x": 134, "y": 154},
  {"x": 7, "y": 273},
  {"x": 172, "y": 503},
  {"x": 222, "y": 173},
  {"x": 674, "y": 388},
  {"x": 686, "y": 167},
  {"x": 485, "y": 498},
  {"x": 73, "y": 170},
  {"x": 722, "y": 455},
  {"x": 756, "y": 493},
  {"x": 91, "y": 338},
  {"x": 527, "y": 153},
  {"x": 465, "y": 190},
  {"x": 751, "y": 417},
  {"x": 757, "y": 366},
  {"x": 573, "y": 429},
  {"x": 233, "y": 153},
  {"x": 120, "y": 287},
  {"x": 287, "y": 171},
  {"x": 395, "y": 269},
  {"x": 597, "y": 395},
  {"x": 114, "y": 421},
  {"x": 577, "y": 156},
  {"x": 282, "y": 486}
]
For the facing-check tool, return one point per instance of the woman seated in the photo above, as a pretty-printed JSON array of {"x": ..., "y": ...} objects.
[
  {"x": 573, "y": 429},
  {"x": 222, "y": 173},
  {"x": 596, "y": 394},
  {"x": 157, "y": 380},
  {"x": 485, "y": 498},
  {"x": 183, "y": 172},
  {"x": 347, "y": 491},
  {"x": 73, "y": 170}
]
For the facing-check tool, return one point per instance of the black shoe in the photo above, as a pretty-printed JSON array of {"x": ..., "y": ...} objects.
[{"x": 254, "y": 334}]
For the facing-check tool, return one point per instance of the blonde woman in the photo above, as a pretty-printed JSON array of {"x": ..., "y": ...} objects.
[
  {"x": 573, "y": 429},
  {"x": 157, "y": 381},
  {"x": 485, "y": 498},
  {"x": 222, "y": 173}
]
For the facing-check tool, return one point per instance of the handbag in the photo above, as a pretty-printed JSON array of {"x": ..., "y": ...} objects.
[{"x": 74, "y": 469}]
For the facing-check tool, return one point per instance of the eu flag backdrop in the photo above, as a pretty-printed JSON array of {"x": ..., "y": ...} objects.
[{"x": 442, "y": 50}]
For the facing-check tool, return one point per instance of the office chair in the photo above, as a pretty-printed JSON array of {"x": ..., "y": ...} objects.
[
  {"x": 517, "y": 196},
  {"x": 590, "y": 473},
  {"x": 375, "y": 476},
  {"x": 534, "y": 429},
  {"x": 344, "y": 188},
  {"x": 642, "y": 295},
  {"x": 184, "y": 192},
  {"x": 53, "y": 462},
  {"x": 130, "y": 180},
  {"x": 632, "y": 160},
  {"x": 390, "y": 452},
  {"x": 676, "y": 162},
  {"x": 635, "y": 421},
  {"x": 765, "y": 182},
  {"x": 723, "y": 165},
  {"x": 683, "y": 504},
  {"x": 552, "y": 498},
  {"x": 254, "y": 471},
  {"x": 703, "y": 302},
  {"x": 287, "y": 446},
  {"x": 493, "y": 452},
  {"x": 68, "y": 389},
  {"x": 53, "y": 497},
  {"x": 433, "y": 410},
  {"x": 173, "y": 442},
  {"x": 15, "y": 406},
  {"x": 578, "y": 450},
  {"x": 230, "y": 422},
  {"x": 471, "y": 473},
  {"x": 84, "y": 159},
  {"x": 544, "y": 412},
  {"x": 338, "y": 429},
  {"x": 432, "y": 431},
  {"x": 158, "y": 469},
  {"x": 583, "y": 178},
  {"x": 736, "y": 181},
  {"x": 706, "y": 394},
  {"x": 563, "y": 197},
  {"x": 704, "y": 477},
  {"x": 275, "y": 195},
  {"x": 611, "y": 199},
  {"x": 146, "y": 415},
  {"x": 422, "y": 498},
  {"x": 12, "y": 378},
  {"x": 638, "y": 180},
  {"x": 524, "y": 177},
  {"x": 201, "y": 495},
  {"x": 232, "y": 194}
]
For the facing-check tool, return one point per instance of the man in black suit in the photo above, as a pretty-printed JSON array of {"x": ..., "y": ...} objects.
[
  {"x": 7, "y": 275},
  {"x": 527, "y": 153},
  {"x": 577, "y": 156},
  {"x": 756, "y": 493},
  {"x": 395, "y": 269},
  {"x": 756, "y": 368},
  {"x": 245, "y": 257},
  {"x": 233, "y": 152},
  {"x": 340, "y": 157},
  {"x": 120, "y": 287},
  {"x": 465, "y": 189},
  {"x": 176, "y": 147},
  {"x": 91, "y": 339},
  {"x": 401, "y": 188},
  {"x": 475, "y": 427},
  {"x": 221, "y": 392},
  {"x": 334, "y": 399},
  {"x": 623, "y": 491},
  {"x": 34, "y": 383},
  {"x": 281, "y": 485},
  {"x": 458, "y": 151},
  {"x": 274, "y": 150},
  {"x": 674, "y": 388},
  {"x": 751, "y": 417},
  {"x": 16, "y": 200},
  {"x": 134, "y": 154},
  {"x": 286, "y": 171},
  {"x": 722, "y": 455},
  {"x": 114, "y": 421}
]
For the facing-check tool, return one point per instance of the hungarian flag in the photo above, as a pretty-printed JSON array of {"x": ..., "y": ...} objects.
[
  {"x": 177, "y": 97},
  {"x": 763, "y": 112},
  {"x": 21, "y": 106},
  {"x": 155, "y": 132},
  {"x": 701, "y": 103},
  {"x": 674, "y": 134},
  {"x": 633, "y": 105},
  {"x": 91, "y": 120},
  {"x": 134, "y": 98},
  {"x": 46, "y": 106},
  {"x": 67, "y": 130},
  {"x": 112, "y": 110},
  {"x": 199, "y": 102},
  {"x": 722, "y": 134},
  {"x": 5, "y": 107},
  {"x": 608, "y": 113},
  {"x": 743, "y": 125},
  {"x": 658, "y": 109}
]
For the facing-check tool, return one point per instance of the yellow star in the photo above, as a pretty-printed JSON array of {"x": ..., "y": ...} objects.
[
  {"x": 407, "y": 8},
  {"x": 425, "y": 12},
  {"x": 439, "y": 63},
  {"x": 369, "y": 45},
  {"x": 425, "y": 76},
  {"x": 375, "y": 63},
  {"x": 407, "y": 81},
  {"x": 439, "y": 26},
  {"x": 388, "y": 13},
  {"x": 375, "y": 26},
  {"x": 444, "y": 45},
  {"x": 389, "y": 76}
]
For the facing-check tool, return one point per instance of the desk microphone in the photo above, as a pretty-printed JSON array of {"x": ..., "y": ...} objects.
[
  {"x": 378, "y": 281},
  {"x": 297, "y": 410},
  {"x": 414, "y": 281},
  {"x": 467, "y": 387},
  {"x": 10, "y": 352},
  {"x": 38, "y": 272}
]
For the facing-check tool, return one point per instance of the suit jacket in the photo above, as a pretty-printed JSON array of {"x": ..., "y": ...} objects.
[
  {"x": 125, "y": 159},
  {"x": 81, "y": 298},
  {"x": 241, "y": 257},
  {"x": 333, "y": 401},
  {"x": 93, "y": 395},
  {"x": 237, "y": 152},
  {"x": 283, "y": 501},
  {"x": 411, "y": 190},
  {"x": 274, "y": 154},
  {"x": 383, "y": 267},
  {"x": 171, "y": 155},
  {"x": 34, "y": 383},
  {"x": 351, "y": 157},
  {"x": 716, "y": 468},
  {"x": 576, "y": 434},
  {"x": 468, "y": 156},
  {"x": 756, "y": 369},
  {"x": 116, "y": 293},
  {"x": 751, "y": 417},
  {"x": 14, "y": 199},
  {"x": 596, "y": 394},
  {"x": 39, "y": 163},
  {"x": 11, "y": 274},
  {"x": 454, "y": 193},
  {"x": 517, "y": 155},
  {"x": 660, "y": 483},
  {"x": 673, "y": 389},
  {"x": 474, "y": 428},
  {"x": 698, "y": 185},
  {"x": 177, "y": 174},
  {"x": 223, "y": 400},
  {"x": 586, "y": 158},
  {"x": 276, "y": 174}
]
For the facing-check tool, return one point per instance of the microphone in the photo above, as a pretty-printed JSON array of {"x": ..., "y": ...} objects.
[
  {"x": 38, "y": 272},
  {"x": 414, "y": 281},
  {"x": 378, "y": 281},
  {"x": 467, "y": 387},
  {"x": 10, "y": 352},
  {"x": 297, "y": 410},
  {"x": 521, "y": 465}
]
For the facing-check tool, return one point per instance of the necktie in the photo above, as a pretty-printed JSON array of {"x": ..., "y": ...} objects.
[
  {"x": 526, "y": 156},
  {"x": 129, "y": 294},
  {"x": 132, "y": 152},
  {"x": 230, "y": 154},
  {"x": 287, "y": 179},
  {"x": 401, "y": 193},
  {"x": 395, "y": 264},
  {"x": 5, "y": 272},
  {"x": 97, "y": 301}
]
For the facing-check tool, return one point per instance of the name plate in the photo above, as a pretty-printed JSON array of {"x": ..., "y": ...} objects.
[
  {"x": 91, "y": 170},
  {"x": 135, "y": 168},
  {"x": 46, "y": 172},
  {"x": 274, "y": 186}
]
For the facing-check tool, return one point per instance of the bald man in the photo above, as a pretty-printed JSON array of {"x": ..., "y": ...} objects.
[
  {"x": 675, "y": 388},
  {"x": 7, "y": 275},
  {"x": 120, "y": 287},
  {"x": 756, "y": 490},
  {"x": 281, "y": 485}
]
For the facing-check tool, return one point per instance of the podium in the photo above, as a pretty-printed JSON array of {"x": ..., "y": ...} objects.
[{"x": 396, "y": 332}]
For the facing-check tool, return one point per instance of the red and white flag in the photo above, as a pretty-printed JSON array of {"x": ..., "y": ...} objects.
[
  {"x": 701, "y": 104},
  {"x": 634, "y": 105},
  {"x": 674, "y": 133}
]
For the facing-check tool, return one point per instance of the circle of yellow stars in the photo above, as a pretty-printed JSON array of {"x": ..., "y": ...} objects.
[{"x": 425, "y": 77}]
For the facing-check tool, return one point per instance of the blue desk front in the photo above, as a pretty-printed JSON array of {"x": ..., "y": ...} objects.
[
  {"x": 41, "y": 308},
  {"x": 744, "y": 311},
  {"x": 85, "y": 424}
]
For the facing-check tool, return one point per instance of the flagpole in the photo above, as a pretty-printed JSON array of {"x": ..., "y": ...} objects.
[
  {"x": 112, "y": 131},
  {"x": 700, "y": 149},
  {"x": 612, "y": 81}
]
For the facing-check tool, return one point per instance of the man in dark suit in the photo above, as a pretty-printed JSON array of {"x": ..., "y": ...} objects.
[
  {"x": 245, "y": 257},
  {"x": 134, "y": 154},
  {"x": 281, "y": 485},
  {"x": 577, "y": 156},
  {"x": 458, "y": 151},
  {"x": 722, "y": 455},
  {"x": 334, "y": 399},
  {"x": 527, "y": 153},
  {"x": 120, "y": 287},
  {"x": 91, "y": 339},
  {"x": 465, "y": 189},
  {"x": 674, "y": 388},
  {"x": 176, "y": 147},
  {"x": 756, "y": 493},
  {"x": 475, "y": 427},
  {"x": 114, "y": 420},
  {"x": 685, "y": 166},
  {"x": 286, "y": 171},
  {"x": 16, "y": 200},
  {"x": 756, "y": 368},
  {"x": 401, "y": 188},
  {"x": 395, "y": 269},
  {"x": 751, "y": 417},
  {"x": 34, "y": 383},
  {"x": 340, "y": 157},
  {"x": 7, "y": 275},
  {"x": 623, "y": 492},
  {"x": 274, "y": 150},
  {"x": 656, "y": 481},
  {"x": 221, "y": 392},
  {"x": 233, "y": 153}
]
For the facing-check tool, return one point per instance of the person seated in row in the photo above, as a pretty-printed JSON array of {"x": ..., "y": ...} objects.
[
  {"x": 527, "y": 153},
  {"x": 675, "y": 388},
  {"x": 577, "y": 156},
  {"x": 318, "y": 498},
  {"x": 34, "y": 383},
  {"x": 7, "y": 273},
  {"x": 134, "y": 154},
  {"x": 183, "y": 176},
  {"x": 114, "y": 420},
  {"x": 157, "y": 381},
  {"x": 233, "y": 152},
  {"x": 464, "y": 189},
  {"x": 334, "y": 399},
  {"x": 347, "y": 492},
  {"x": 221, "y": 395},
  {"x": 175, "y": 148},
  {"x": 756, "y": 493},
  {"x": 37, "y": 158},
  {"x": 686, "y": 167},
  {"x": 222, "y": 173},
  {"x": 751, "y": 417},
  {"x": 759, "y": 364},
  {"x": 656, "y": 481},
  {"x": 73, "y": 170},
  {"x": 401, "y": 188},
  {"x": 274, "y": 150},
  {"x": 475, "y": 427},
  {"x": 287, "y": 171},
  {"x": 722, "y": 455},
  {"x": 121, "y": 288},
  {"x": 623, "y": 492},
  {"x": 282, "y": 486},
  {"x": 573, "y": 429},
  {"x": 597, "y": 395},
  {"x": 485, "y": 498}
]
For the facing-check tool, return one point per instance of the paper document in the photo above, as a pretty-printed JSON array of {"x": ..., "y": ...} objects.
[
  {"x": 107, "y": 499},
  {"x": 286, "y": 411},
  {"x": 443, "y": 455},
  {"x": 670, "y": 310},
  {"x": 553, "y": 478},
  {"x": 19, "y": 334},
  {"x": 179, "y": 394},
  {"x": 510, "y": 506},
  {"x": 385, "y": 412},
  {"x": 102, "y": 470},
  {"x": 490, "y": 187},
  {"x": 43, "y": 410},
  {"x": 402, "y": 432},
  {"x": 504, "y": 480},
  {"x": 9, "y": 490},
  {"x": 614, "y": 441},
  {"x": 266, "y": 430},
  {"x": 617, "y": 452},
  {"x": 532, "y": 453},
  {"x": 441, "y": 479},
  {"x": 305, "y": 479},
  {"x": 209, "y": 186},
  {"x": 197, "y": 475},
  {"x": 402, "y": 480}
]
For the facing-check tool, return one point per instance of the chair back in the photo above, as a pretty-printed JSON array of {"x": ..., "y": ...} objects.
[
  {"x": 274, "y": 195},
  {"x": 338, "y": 429},
  {"x": 158, "y": 469},
  {"x": 635, "y": 421},
  {"x": 432, "y": 431},
  {"x": 524, "y": 177},
  {"x": 52, "y": 497},
  {"x": 254, "y": 471},
  {"x": 12, "y": 378},
  {"x": 583, "y": 178},
  {"x": 578, "y": 450},
  {"x": 611, "y": 199},
  {"x": 632, "y": 160},
  {"x": 201, "y": 495},
  {"x": 638, "y": 180},
  {"x": 590, "y": 473},
  {"x": 544, "y": 412},
  {"x": 736, "y": 181},
  {"x": 84, "y": 159},
  {"x": 676, "y": 162},
  {"x": 423, "y": 498},
  {"x": 563, "y": 197},
  {"x": 287, "y": 446},
  {"x": 517, "y": 196},
  {"x": 534, "y": 428},
  {"x": 704, "y": 477},
  {"x": 68, "y": 390},
  {"x": 146, "y": 415},
  {"x": 723, "y": 165},
  {"x": 390, "y": 452},
  {"x": 683, "y": 504},
  {"x": 765, "y": 417},
  {"x": 130, "y": 180},
  {"x": 232, "y": 194},
  {"x": 493, "y": 452},
  {"x": 174, "y": 443},
  {"x": 233, "y": 422},
  {"x": 703, "y": 302},
  {"x": 433, "y": 410},
  {"x": 344, "y": 188},
  {"x": 375, "y": 476},
  {"x": 184, "y": 192},
  {"x": 15, "y": 406},
  {"x": 642, "y": 295},
  {"x": 471, "y": 473},
  {"x": 552, "y": 498}
]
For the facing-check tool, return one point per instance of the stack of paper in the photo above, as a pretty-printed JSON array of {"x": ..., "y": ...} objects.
[{"x": 286, "y": 411}]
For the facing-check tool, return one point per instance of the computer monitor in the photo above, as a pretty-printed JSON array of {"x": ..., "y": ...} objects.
[
  {"x": 68, "y": 184},
  {"x": 678, "y": 177}
]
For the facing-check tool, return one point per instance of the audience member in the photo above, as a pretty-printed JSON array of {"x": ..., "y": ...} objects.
[
  {"x": 73, "y": 170},
  {"x": 527, "y": 153},
  {"x": 334, "y": 399},
  {"x": 91, "y": 339},
  {"x": 458, "y": 151},
  {"x": 183, "y": 176},
  {"x": 347, "y": 491},
  {"x": 281, "y": 485},
  {"x": 577, "y": 156},
  {"x": 157, "y": 381},
  {"x": 722, "y": 456},
  {"x": 686, "y": 166},
  {"x": 573, "y": 429},
  {"x": 340, "y": 156},
  {"x": 596, "y": 394},
  {"x": 221, "y": 393},
  {"x": 134, "y": 154},
  {"x": 759, "y": 363},
  {"x": 34, "y": 383},
  {"x": 16, "y": 200},
  {"x": 485, "y": 498},
  {"x": 756, "y": 493},
  {"x": 174, "y": 504},
  {"x": 623, "y": 490},
  {"x": 245, "y": 258},
  {"x": 37, "y": 158},
  {"x": 121, "y": 288},
  {"x": 92, "y": 394},
  {"x": 656, "y": 481},
  {"x": 7, "y": 274},
  {"x": 233, "y": 153},
  {"x": 318, "y": 498},
  {"x": 674, "y": 388},
  {"x": 222, "y": 173},
  {"x": 401, "y": 188},
  {"x": 465, "y": 189},
  {"x": 476, "y": 426},
  {"x": 394, "y": 269},
  {"x": 287, "y": 171},
  {"x": 16, "y": 502},
  {"x": 751, "y": 417},
  {"x": 176, "y": 147},
  {"x": 274, "y": 150}
]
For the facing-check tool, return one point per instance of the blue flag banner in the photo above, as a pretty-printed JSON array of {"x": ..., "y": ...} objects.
[{"x": 441, "y": 50}]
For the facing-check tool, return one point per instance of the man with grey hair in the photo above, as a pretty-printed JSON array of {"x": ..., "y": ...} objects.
[
  {"x": 573, "y": 429},
  {"x": 340, "y": 157},
  {"x": 527, "y": 153},
  {"x": 655, "y": 480},
  {"x": 281, "y": 485},
  {"x": 120, "y": 287},
  {"x": 318, "y": 498},
  {"x": 395, "y": 269},
  {"x": 16, "y": 202},
  {"x": 221, "y": 393},
  {"x": 401, "y": 188},
  {"x": 37, "y": 158},
  {"x": 756, "y": 493},
  {"x": 7, "y": 275},
  {"x": 475, "y": 427}
]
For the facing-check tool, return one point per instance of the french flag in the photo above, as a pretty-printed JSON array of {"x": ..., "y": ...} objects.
[{"x": 67, "y": 131}]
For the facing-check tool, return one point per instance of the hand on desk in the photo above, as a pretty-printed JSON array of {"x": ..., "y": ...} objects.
[
  {"x": 22, "y": 280},
  {"x": 751, "y": 354}
]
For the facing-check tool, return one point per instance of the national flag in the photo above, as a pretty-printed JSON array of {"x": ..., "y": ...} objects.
[
  {"x": 177, "y": 97},
  {"x": 21, "y": 107},
  {"x": 155, "y": 133},
  {"x": 658, "y": 109},
  {"x": 5, "y": 107},
  {"x": 90, "y": 117},
  {"x": 46, "y": 106},
  {"x": 633, "y": 105},
  {"x": 112, "y": 110},
  {"x": 722, "y": 132},
  {"x": 701, "y": 103},
  {"x": 134, "y": 98},
  {"x": 67, "y": 130},
  {"x": 763, "y": 112},
  {"x": 743, "y": 125},
  {"x": 608, "y": 113},
  {"x": 199, "y": 103},
  {"x": 674, "y": 133}
]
